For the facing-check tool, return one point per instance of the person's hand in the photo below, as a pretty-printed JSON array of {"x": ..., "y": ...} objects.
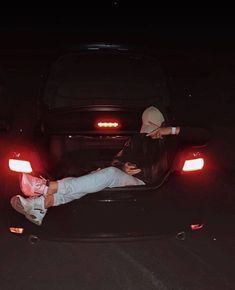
[
  {"x": 159, "y": 132},
  {"x": 130, "y": 168}
]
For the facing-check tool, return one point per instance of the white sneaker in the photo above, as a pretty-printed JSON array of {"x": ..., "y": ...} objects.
[
  {"x": 33, "y": 186},
  {"x": 32, "y": 208}
]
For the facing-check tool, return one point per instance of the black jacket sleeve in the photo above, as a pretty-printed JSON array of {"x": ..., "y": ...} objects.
[
  {"x": 194, "y": 136},
  {"x": 123, "y": 155}
]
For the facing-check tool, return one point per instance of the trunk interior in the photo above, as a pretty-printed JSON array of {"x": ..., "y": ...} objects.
[
  {"x": 78, "y": 147},
  {"x": 75, "y": 155},
  {"x": 78, "y": 155}
]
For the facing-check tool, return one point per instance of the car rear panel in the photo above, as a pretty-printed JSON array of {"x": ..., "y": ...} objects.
[
  {"x": 133, "y": 212},
  {"x": 77, "y": 98},
  {"x": 177, "y": 201}
]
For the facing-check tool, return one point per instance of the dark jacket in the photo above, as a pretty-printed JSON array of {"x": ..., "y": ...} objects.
[{"x": 155, "y": 156}]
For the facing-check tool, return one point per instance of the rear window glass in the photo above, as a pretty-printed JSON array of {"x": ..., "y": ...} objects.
[{"x": 103, "y": 78}]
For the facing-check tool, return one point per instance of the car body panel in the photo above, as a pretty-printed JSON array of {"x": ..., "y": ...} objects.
[{"x": 66, "y": 126}]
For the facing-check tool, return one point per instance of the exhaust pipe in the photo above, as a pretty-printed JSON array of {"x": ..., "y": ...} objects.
[
  {"x": 181, "y": 236},
  {"x": 33, "y": 239}
]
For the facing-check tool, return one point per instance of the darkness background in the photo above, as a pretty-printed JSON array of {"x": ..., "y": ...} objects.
[{"x": 195, "y": 45}]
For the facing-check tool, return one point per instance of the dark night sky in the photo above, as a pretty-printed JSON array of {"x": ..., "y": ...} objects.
[
  {"x": 167, "y": 25},
  {"x": 180, "y": 23},
  {"x": 176, "y": 32},
  {"x": 195, "y": 43},
  {"x": 191, "y": 44}
]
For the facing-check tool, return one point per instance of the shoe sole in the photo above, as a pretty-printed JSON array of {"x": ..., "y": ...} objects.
[{"x": 17, "y": 205}]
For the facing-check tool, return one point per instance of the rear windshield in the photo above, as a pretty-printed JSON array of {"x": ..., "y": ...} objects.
[{"x": 98, "y": 78}]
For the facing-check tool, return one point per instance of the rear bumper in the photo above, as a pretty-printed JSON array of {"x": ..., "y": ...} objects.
[
  {"x": 123, "y": 213},
  {"x": 77, "y": 221}
]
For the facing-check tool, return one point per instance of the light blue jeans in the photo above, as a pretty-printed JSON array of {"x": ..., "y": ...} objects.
[{"x": 72, "y": 188}]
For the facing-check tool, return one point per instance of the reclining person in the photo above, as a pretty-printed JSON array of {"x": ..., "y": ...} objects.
[{"x": 142, "y": 160}]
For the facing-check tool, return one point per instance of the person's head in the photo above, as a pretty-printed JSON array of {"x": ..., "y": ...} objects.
[{"x": 152, "y": 118}]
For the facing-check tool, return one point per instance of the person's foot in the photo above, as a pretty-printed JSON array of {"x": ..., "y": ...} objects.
[
  {"x": 32, "y": 208},
  {"x": 33, "y": 186}
]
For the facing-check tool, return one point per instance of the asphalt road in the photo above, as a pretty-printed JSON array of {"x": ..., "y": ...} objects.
[{"x": 204, "y": 260}]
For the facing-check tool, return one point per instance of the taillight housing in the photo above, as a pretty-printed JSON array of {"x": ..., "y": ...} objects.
[
  {"x": 25, "y": 160},
  {"x": 192, "y": 161},
  {"x": 16, "y": 230},
  {"x": 21, "y": 161},
  {"x": 193, "y": 164},
  {"x": 107, "y": 124},
  {"x": 18, "y": 165},
  {"x": 196, "y": 227}
]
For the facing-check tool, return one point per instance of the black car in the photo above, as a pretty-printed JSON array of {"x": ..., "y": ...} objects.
[{"x": 92, "y": 101}]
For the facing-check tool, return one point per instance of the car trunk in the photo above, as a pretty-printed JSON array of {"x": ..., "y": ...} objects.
[
  {"x": 79, "y": 154},
  {"x": 84, "y": 89},
  {"x": 77, "y": 146},
  {"x": 105, "y": 85}
]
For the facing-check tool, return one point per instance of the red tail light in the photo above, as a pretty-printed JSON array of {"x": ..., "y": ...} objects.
[
  {"x": 108, "y": 124},
  {"x": 193, "y": 164},
  {"x": 195, "y": 227},
  {"x": 190, "y": 161},
  {"x": 20, "y": 165},
  {"x": 16, "y": 230}
]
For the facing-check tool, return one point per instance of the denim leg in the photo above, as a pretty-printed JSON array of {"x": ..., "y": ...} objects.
[{"x": 71, "y": 188}]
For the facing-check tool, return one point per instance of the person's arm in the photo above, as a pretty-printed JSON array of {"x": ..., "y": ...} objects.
[
  {"x": 121, "y": 159},
  {"x": 163, "y": 131},
  {"x": 192, "y": 135},
  {"x": 118, "y": 160},
  {"x": 123, "y": 155}
]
